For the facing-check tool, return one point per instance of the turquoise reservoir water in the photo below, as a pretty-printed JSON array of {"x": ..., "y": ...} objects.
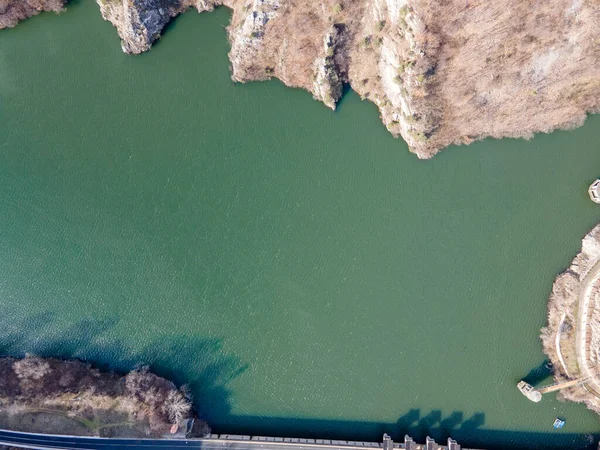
[{"x": 298, "y": 267}]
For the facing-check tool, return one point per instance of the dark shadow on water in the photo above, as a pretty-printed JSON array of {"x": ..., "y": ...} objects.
[
  {"x": 452, "y": 421},
  {"x": 539, "y": 374},
  {"x": 203, "y": 364},
  {"x": 168, "y": 28},
  {"x": 345, "y": 90},
  {"x": 470, "y": 431},
  {"x": 474, "y": 422},
  {"x": 174, "y": 23},
  {"x": 409, "y": 419}
]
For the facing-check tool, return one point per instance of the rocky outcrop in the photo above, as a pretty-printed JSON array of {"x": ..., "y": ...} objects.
[
  {"x": 404, "y": 52},
  {"x": 140, "y": 22},
  {"x": 13, "y": 11},
  {"x": 246, "y": 35},
  {"x": 440, "y": 73},
  {"x": 327, "y": 84}
]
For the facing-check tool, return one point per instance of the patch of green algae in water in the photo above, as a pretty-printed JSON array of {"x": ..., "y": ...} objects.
[{"x": 304, "y": 272}]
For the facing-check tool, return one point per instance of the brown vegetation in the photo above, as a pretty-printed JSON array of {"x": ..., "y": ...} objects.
[
  {"x": 514, "y": 67},
  {"x": 440, "y": 73},
  {"x": 140, "y": 403},
  {"x": 573, "y": 349},
  {"x": 13, "y": 11},
  {"x": 292, "y": 54}
]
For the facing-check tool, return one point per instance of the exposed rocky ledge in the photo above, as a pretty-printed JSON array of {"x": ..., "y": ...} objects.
[
  {"x": 70, "y": 397},
  {"x": 572, "y": 336},
  {"x": 439, "y": 72}
]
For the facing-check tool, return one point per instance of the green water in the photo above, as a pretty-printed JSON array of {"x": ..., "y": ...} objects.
[{"x": 298, "y": 267}]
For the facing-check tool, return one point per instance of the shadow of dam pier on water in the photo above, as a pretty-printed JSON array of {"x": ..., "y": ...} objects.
[
  {"x": 209, "y": 370},
  {"x": 469, "y": 432}
]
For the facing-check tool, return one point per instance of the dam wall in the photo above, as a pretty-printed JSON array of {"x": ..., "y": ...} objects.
[{"x": 332, "y": 444}]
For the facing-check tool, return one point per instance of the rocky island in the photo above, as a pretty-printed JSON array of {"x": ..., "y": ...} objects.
[
  {"x": 440, "y": 73},
  {"x": 572, "y": 337},
  {"x": 48, "y": 395}
]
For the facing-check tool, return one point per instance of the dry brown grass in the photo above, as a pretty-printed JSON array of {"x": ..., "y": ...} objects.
[
  {"x": 13, "y": 11},
  {"x": 515, "y": 67},
  {"x": 564, "y": 302},
  {"x": 508, "y": 68},
  {"x": 293, "y": 40},
  {"x": 440, "y": 72}
]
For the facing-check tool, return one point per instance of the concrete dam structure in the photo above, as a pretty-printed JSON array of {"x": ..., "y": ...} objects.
[
  {"x": 327, "y": 444},
  {"x": 210, "y": 442}
]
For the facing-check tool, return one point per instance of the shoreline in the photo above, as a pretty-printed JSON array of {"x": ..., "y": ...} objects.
[
  {"x": 71, "y": 397},
  {"x": 437, "y": 74},
  {"x": 572, "y": 336},
  {"x": 60, "y": 411}
]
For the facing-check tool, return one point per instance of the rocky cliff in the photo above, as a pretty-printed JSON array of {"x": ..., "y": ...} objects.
[{"x": 439, "y": 72}]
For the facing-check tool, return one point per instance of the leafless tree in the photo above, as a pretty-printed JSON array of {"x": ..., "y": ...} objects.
[
  {"x": 31, "y": 368},
  {"x": 177, "y": 406}
]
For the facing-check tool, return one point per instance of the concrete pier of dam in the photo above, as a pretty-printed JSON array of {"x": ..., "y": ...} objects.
[{"x": 331, "y": 444}]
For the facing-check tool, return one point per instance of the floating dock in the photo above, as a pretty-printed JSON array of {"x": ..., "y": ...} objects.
[{"x": 535, "y": 395}]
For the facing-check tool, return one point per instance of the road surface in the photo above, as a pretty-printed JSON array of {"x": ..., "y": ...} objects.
[{"x": 46, "y": 441}]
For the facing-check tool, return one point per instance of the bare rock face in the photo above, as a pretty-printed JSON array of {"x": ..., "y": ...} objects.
[
  {"x": 440, "y": 73},
  {"x": 140, "y": 22},
  {"x": 246, "y": 35},
  {"x": 327, "y": 85},
  {"x": 13, "y": 11}
]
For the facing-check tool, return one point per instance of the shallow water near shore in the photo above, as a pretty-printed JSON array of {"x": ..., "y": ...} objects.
[{"x": 298, "y": 267}]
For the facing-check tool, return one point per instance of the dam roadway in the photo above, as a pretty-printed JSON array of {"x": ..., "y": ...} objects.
[{"x": 213, "y": 442}]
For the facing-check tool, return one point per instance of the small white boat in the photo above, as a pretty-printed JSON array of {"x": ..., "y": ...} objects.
[{"x": 594, "y": 191}]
